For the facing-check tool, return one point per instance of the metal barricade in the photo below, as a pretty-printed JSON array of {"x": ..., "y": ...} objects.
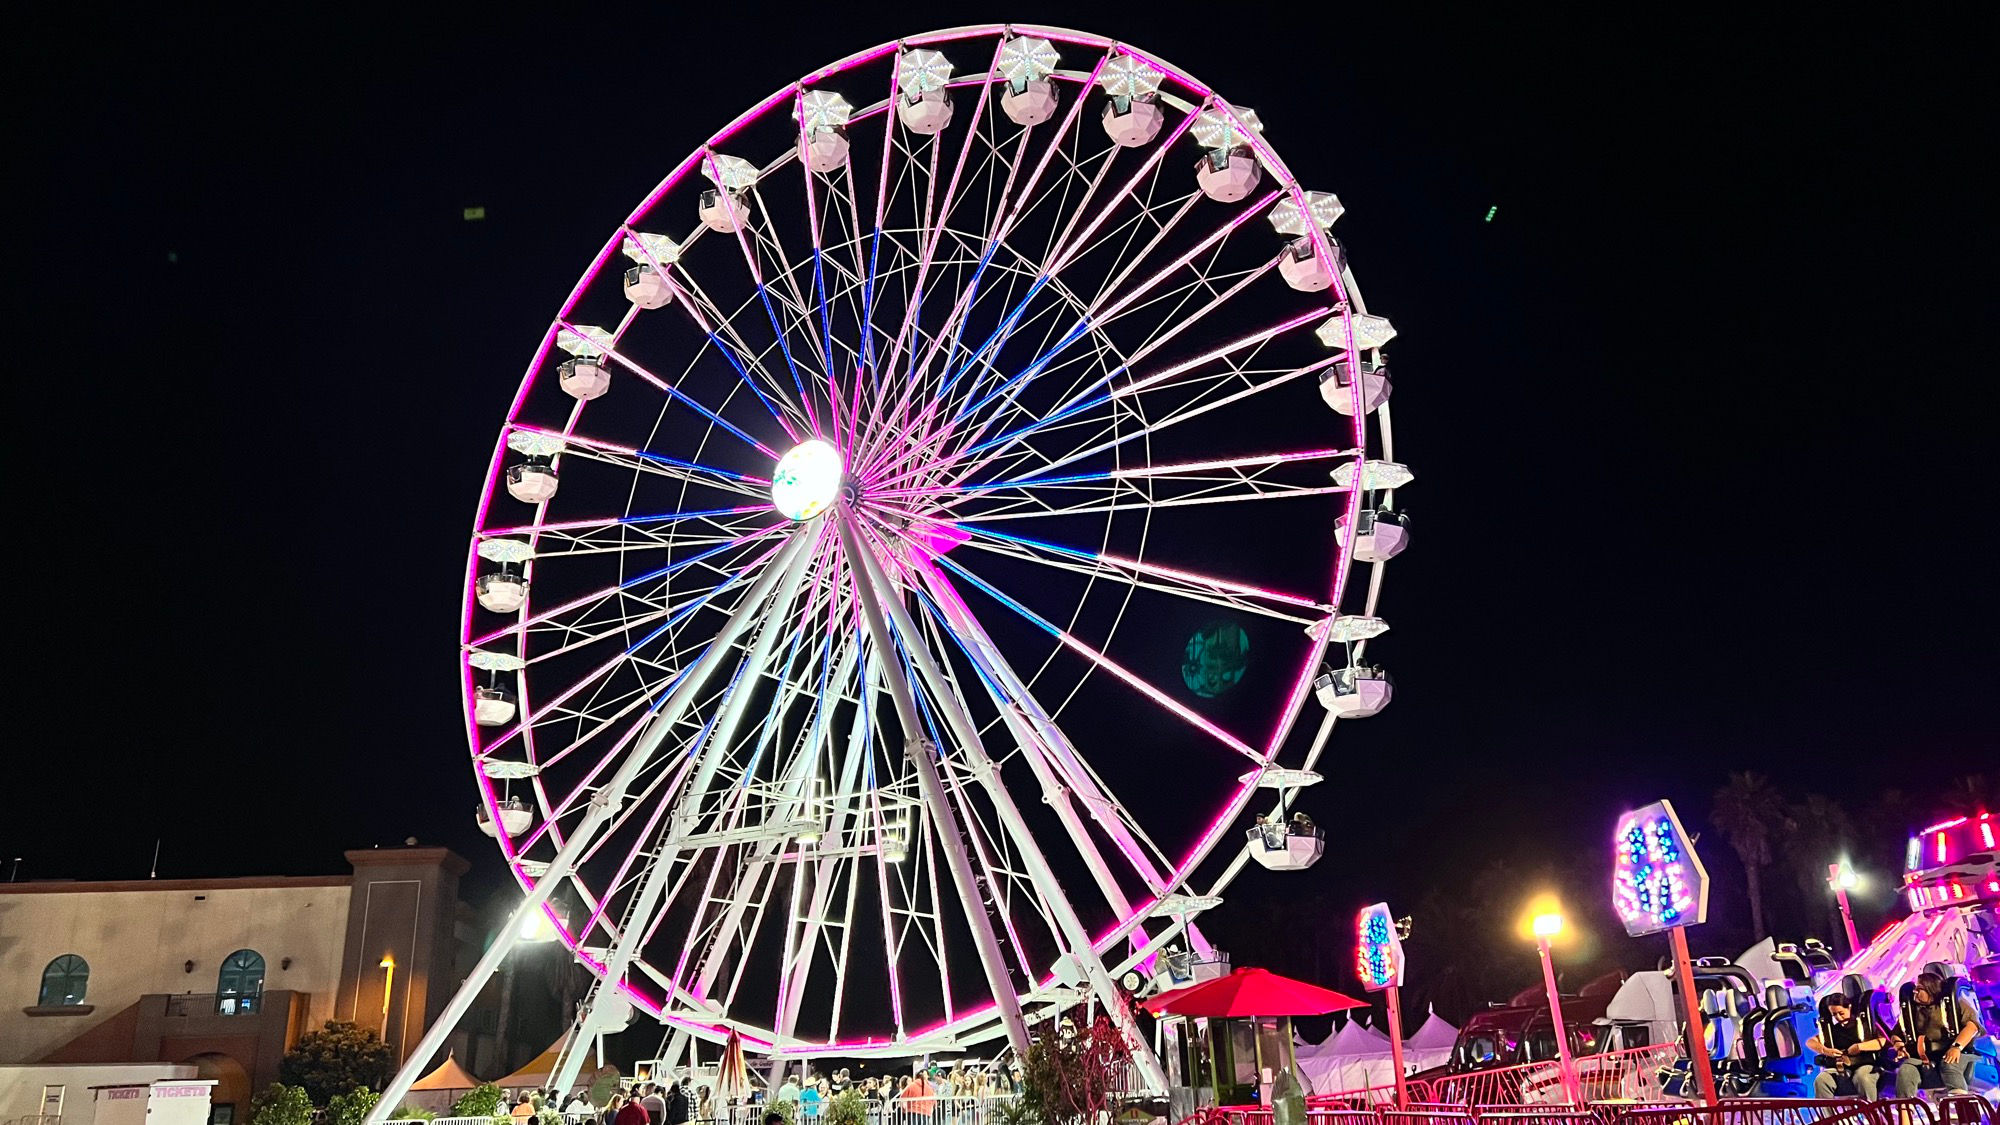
[
  {"x": 1427, "y": 1114},
  {"x": 1632, "y": 1075},
  {"x": 1784, "y": 1111},
  {"x": 1965, "y": 1109}
]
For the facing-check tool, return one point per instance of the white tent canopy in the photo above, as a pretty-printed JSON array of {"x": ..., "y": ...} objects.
[{"x": 1357, "y": 1057}]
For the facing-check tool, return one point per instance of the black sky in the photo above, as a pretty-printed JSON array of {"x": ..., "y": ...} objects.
[{"x": 1699, "y": 420}]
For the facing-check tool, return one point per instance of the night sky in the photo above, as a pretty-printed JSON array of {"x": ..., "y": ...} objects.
[{"x": 1703, "y": 478}]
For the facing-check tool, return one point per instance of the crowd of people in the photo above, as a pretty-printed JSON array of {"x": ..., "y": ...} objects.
[{"x": 933, "y": 1095}]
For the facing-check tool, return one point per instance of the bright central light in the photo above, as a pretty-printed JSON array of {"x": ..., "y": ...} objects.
[
  {"x": 1846, "y": 879},
  {"x": 1547, "y": 925},
  {"x": 808, "y": 480}
]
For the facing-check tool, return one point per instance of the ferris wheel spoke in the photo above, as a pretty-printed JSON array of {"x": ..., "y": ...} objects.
[
  {"x": 595, "y": 598},
  {"x": 644, "y": 461},
  {"x": 688, "y": 401},
  {"x": 1219, "y": 592},
  {"x": 1132, "y": 679},
  {"x": 1099, "y": 396}
]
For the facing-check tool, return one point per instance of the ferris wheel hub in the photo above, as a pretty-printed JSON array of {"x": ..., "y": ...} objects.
[{"x": 808, "y": 480}]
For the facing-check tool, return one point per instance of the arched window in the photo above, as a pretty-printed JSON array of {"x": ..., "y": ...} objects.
[
  {"x": 65, "y": 981},
  {"x": 240, "y": 984}
]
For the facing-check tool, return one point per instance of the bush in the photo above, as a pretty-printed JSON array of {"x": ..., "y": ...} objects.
[
  {"x": 335, "y": 1059},
  {"x": 789, "y": 1110},
  {"x": 481, "y": 1101},
  {"x": 350, "y": 1108},
  {"x": 847, "y": 1108},
  {"x": 280, "y": 1104},
  {"x": 413, "y": 1113}
]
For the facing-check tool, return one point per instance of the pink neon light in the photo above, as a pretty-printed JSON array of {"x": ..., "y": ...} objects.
[
  {"x": 1986, "y": 833},
  {"x": 1941, "y": 827},
  {"x": 1940, "y": 847}
]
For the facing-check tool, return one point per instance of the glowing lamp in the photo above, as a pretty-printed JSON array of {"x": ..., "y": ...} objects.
[
  {"x": 808, "y": 480},
  {"x": 1546, "y": 925},
  {"x": 1378, "y": 951},
  {"x": 1845, "y": 878},
  {"x": 1657, "y": 882}
]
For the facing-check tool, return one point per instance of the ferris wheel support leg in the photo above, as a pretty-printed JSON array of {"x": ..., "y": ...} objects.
[
  {"x": 604, "y": 805},
  {"x": 1051, "y": 745},
  {"x": 1069, "y": 927},
  {"x": 932, "y": 786},
  {"x": 639, "y": 919}
]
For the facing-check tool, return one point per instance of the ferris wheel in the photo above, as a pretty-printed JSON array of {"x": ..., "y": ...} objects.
[{"x": 826, "y": 598}]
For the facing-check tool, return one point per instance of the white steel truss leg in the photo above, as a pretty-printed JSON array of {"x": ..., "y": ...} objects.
[
  {"x": 918, "y": 750},
  {"x": 1070, "y": 928},
  {"x": 604, "y": 805},
  {"x": 639, "y": 918}
]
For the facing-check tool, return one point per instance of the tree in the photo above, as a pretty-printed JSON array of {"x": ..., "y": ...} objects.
[
  {"x": 1751, "y": 813},
  {"x": 336, "y": 1059},
  {"x": 1071, "y": 1078},
  {"x": 1820, "y": 833},
  {"x": 280, "y": 1104}
]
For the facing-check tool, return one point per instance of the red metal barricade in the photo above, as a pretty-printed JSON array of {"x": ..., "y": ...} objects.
[
  {"x": 1965, "y": 1109},
  {"x": 1783, "y": 1111},
  {"x": 1632, "y": 1075}
]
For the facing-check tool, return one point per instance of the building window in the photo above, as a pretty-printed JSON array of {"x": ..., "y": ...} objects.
[
  {"x": 240, "y": 984},
  {"x": 65, "y": 981}
]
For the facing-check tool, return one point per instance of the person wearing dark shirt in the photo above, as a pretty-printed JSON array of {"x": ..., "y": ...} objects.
[
  {"x": 1846, "y": 1046},
  {"x": 1935, "y": 1059}
]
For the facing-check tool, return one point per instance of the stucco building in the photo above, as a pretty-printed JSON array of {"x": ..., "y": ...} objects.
[{"x": 225, "y": 974}]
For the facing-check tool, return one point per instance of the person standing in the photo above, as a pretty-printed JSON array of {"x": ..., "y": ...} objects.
[
  {"x": 656, "y": 1106},
  {"x": 633, "y": 1112},
  {"x": 1936, "y": 1059}
]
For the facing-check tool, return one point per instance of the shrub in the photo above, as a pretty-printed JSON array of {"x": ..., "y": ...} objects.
[
  {"x": 847, "y": 1108},
  {"x": 337, "y": 1058},
  {"x": 280, "y": 1104},
  {"x": 350, "y": 1108},
  {"x": 481, "y": 1101}
]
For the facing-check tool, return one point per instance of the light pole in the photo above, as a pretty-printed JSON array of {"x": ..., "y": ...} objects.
[
  {"x": 1841, "y": 877},
  {"x": 1545, "y": 927}
]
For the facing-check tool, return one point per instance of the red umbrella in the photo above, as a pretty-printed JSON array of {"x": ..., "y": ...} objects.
[{"x": 1250, "y": 992}]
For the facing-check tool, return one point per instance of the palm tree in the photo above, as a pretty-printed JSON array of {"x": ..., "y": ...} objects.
[
  {"x": 1821, "y": 831},
  {"x": 1750, "y": 812}
]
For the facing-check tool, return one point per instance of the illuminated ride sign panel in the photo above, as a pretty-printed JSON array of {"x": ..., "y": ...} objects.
[
  {"x": 1657, "y": 882},
  {"x": 1378, "y": 952},
  {"x": 1953, "y": 863}
]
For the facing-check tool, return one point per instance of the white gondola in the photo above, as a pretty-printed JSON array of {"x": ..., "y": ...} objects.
[
  {"x": 1303, "y": 270},
  {"x": 492, "y": 706},
  {"x": 502, "y": 591},
  {"x": 532, "y": 482},
  {"x": 1286, "y": 847},
  {"x": 722, "y": 212},
  {"x": 927, "y": 113},
  {"x": 1354, "y": 692},
  {"x": 1032, "y": 104},
  {"x": 584, "y": 377},
  {"x": 824, "y": 151},
  {"x": 1135, "y": 123},
  {"x": 1227, "y": 175},
  {"x": 1382, "y": 534},
  {"x": 1335, "y": 387},
  {"x": 645, "y": 287},
  {"x": 515, "y": 817}
]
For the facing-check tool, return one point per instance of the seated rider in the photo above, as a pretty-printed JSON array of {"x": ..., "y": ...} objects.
[
  {"x": 1935, "y": 1059},
  {"x": 1846, "y": 1046},
  {"x": 1302, "y": 824}
]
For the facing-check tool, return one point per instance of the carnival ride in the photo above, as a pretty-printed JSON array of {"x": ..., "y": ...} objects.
[{"x": 823, "y": 534}]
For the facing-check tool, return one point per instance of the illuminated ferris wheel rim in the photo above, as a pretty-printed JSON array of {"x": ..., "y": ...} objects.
[{"x": 967, "y": 1025}]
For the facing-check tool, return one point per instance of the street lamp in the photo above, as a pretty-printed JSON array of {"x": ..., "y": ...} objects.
[
  {"x": 1545, "y": 926},
  {"x": 1843, "y": 878}
]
